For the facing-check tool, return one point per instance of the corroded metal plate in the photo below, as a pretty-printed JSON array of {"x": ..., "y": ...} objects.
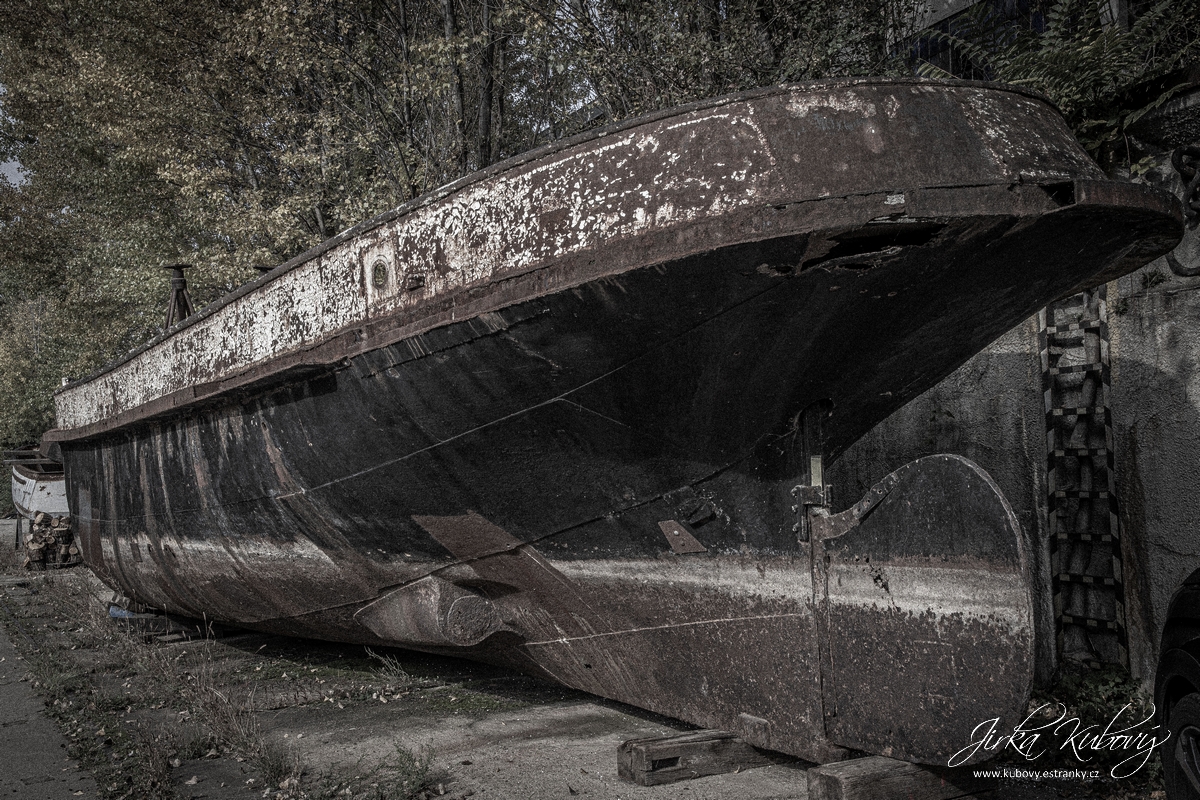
[{"x": 925, "y": 611}]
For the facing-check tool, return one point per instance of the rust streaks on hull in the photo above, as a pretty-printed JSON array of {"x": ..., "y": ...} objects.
[{"x": 555, "y": 416}]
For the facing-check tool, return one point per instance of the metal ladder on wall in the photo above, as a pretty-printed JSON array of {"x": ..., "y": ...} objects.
[{"x": 1084, "y": 526}]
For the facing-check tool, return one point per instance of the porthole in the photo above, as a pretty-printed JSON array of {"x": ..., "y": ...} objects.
[{"x": 379, "y": 274}]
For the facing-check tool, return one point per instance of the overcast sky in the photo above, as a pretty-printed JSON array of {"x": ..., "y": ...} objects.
[{"x": 11, "y": 170}]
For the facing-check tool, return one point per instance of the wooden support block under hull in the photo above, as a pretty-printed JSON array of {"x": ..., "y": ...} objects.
[
  {"x": 879, "y": 778},
  {"x": 668, "y": 759}
]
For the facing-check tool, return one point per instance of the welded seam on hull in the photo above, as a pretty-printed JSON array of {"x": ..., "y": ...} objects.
[
  {"x": 671, "y": 626},
  {"x": 607, "y": 418},
  {"x": 560, "y": 398},
  {"x": 443, "y": 568},
  {"x": 705, "y": 622},
  {"x": 440, "y": 569}
]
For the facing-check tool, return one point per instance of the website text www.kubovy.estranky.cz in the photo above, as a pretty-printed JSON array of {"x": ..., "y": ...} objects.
[{"x": 1038, "y": 774}]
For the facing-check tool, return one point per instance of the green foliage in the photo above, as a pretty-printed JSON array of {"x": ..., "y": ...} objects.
[
  {"x": 36, "y": 350},
  {"x": 1085, "y": 60},
  {"x": 1153, "y": 278},
  {"x": 1097, "y": 697}
]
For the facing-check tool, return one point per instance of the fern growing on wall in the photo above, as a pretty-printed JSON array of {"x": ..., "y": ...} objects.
[{"x": 1094, "y": 58}]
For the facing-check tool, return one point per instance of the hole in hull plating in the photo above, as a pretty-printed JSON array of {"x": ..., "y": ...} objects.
[
  {"x": 878, "y": 239},
  {"x": 1063, "y": 194}
]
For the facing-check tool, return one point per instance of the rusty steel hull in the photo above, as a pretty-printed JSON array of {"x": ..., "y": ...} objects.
[{"x": 574, "y": 447}]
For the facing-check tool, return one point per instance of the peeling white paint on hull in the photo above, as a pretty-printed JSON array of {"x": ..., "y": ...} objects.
[{"x": 557, "y": 416}]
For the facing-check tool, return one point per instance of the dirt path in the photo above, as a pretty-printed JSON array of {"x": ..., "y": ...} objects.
[{"x": 36, "y": 764}]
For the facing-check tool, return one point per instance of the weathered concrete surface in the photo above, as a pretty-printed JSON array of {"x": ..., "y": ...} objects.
[
  {"x": 35, "y": 764},
  {"x": 1154, "y": 324},
  {"x": 543, "y": 753}
]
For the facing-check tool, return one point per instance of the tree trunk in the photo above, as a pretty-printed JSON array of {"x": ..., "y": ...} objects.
[
  {"x": 459, "y": 146},
  {"x": 483, "y": 130},
  {"x": 763, "y": 29},
  {"x": 497, "y": 142}
]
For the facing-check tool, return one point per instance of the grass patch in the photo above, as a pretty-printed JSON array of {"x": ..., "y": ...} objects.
[
  {"x": 133, "y": 710},
  {"x": 461, "y": 699},
  {"x": 126, "y": 760},
  {"x": 404, "y": 775},
  {"x": 391, "y": 669}
]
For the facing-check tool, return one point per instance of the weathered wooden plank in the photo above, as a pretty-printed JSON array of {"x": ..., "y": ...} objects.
[
  {"x": 655, "y": 761},
  {"x": 879, "y": 778}
]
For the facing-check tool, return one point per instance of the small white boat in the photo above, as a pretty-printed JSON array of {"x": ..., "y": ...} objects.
[{"x": 38, "y": 484}]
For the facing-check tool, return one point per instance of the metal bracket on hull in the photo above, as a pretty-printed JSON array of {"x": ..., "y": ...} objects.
[
  {"x": 811, "y": 493},
  {"x": 807, "y": 496}
]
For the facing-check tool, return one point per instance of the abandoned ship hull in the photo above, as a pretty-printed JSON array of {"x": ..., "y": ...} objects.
[{"x": 593, "y": 451}]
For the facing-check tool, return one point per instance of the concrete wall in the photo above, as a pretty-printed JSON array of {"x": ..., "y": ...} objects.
[
  {"x": 1156, "y": 428},
  {"x": 1155, "y": 344}
]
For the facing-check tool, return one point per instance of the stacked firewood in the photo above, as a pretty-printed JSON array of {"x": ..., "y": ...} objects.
[{"x": 50, "y": 543}]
